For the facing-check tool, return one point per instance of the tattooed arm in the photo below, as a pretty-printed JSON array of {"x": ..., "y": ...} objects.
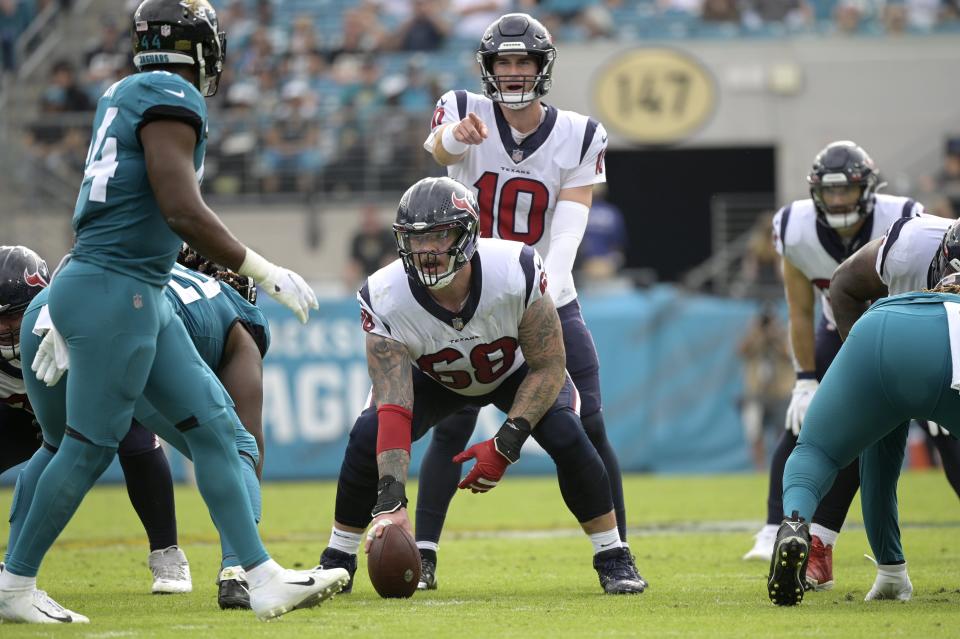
[
  {"x": 541, "y": 340},
  {"x": 389, "y": 365}
]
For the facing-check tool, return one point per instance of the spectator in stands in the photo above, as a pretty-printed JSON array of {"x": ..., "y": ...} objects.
[
  {"x": 373, "y": 246},
  {"x": 596, "y": 22},
  {"x": 303, "y": 36},
  {"x": 362, "y": 33},
  {"x": 760, "y": 276},
  {"x": 424, "y": 30},
  {"x": 63, "y": 93},
  {"x": 472, "y": 17},
  {"x": 292, "y": 157},
  {"x": 721, "y": 11},
  {"x": 603, "y": 247},
  {"x": 365, "y": 94},
  {"x": 768, "y": 381},
  {"x": 794, "y": 14},
  {"x": 942, "y": 189},
  {"x": 238, "y": 23}
]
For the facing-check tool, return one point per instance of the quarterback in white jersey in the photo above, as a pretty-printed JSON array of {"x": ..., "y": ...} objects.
[
  {"x": 813, "y": 236},
  {"x": 460, "y": 321},
  {"x": 533, "y": 168}
]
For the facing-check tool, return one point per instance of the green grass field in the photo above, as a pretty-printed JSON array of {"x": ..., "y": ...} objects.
[{"x": 513, "y": 565}]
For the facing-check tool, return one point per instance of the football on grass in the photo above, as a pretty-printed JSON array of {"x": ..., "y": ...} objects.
[{"x": 394, "y": 563}]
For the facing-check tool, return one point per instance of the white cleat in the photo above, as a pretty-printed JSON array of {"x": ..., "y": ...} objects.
[
  {"x": 34, "y": 606},
  {"x": 291, "y": 590},
  {"x": 892, "y": 584},
  {"x": 763, "y": 544},
  {"x": 171, "y": 571}
]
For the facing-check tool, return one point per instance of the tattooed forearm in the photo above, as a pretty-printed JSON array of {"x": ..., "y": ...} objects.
[
  {"x": 389, "y": 365},
  {"x": 541, "y": 340},
  {"x": 394, "y": 462}
]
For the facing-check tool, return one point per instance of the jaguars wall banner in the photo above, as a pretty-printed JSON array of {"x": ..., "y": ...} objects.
[{"x": 670, "y": 376}]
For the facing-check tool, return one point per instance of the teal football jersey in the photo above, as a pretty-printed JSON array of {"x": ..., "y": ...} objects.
[
  {"x": 209, "y": 309},
  {"x": 117, "y": 221}
]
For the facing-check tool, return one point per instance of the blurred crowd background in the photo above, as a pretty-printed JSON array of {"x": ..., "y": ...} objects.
[{"x": 324, "y": 105}]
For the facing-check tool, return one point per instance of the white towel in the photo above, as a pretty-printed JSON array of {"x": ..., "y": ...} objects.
[
  {"x": 953, "y": 325},
  {"x": 44, "y": 323}
]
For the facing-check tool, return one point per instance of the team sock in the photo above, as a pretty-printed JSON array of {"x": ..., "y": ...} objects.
[
  {"x": 344, "y": 541},
  {"x": 605, "y": 540}
]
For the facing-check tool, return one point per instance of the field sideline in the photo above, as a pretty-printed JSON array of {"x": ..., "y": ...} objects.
[{"x": 513, "y": 565}]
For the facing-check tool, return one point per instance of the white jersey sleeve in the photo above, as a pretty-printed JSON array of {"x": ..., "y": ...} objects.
[
  {"x": 906, "y": 251},
  {"x": 450, "y": 109},
  {"x": 593, "y": 149},
  {"x": 536, "y": 279},
  {"x": 370, "y": 320}
]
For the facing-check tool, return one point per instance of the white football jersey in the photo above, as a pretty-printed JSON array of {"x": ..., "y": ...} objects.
[
  {"x": 817, "y": 250},
  {"x": 12, "y": 389},
  {"x": 903, "y": 261},
  {"x": 517, "y": 183},
  {"x": 471, "y": 351}
]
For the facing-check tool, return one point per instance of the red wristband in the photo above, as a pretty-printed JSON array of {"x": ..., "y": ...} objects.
[{"x": 394, "y": 427}]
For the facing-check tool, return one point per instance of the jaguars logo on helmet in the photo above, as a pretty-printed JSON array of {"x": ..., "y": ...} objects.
[
  {"x": 841, "y": 164},
  {"x": 23, "y": 274},
  {"x": 517, "y": 34},
  {"x": 171, "y": 32},
  {"x": 445, "y": 207}
]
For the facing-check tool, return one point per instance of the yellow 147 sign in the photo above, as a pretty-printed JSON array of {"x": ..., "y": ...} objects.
[{"x": 654, "y": 96}]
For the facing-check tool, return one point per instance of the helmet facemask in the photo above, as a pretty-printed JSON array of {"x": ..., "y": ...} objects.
[
  {"x": 498, "y": 87},
  {"x": 420, "y": 249},
  {"x": 10, "y": 335},
  {"x": 843, "y": 215}
]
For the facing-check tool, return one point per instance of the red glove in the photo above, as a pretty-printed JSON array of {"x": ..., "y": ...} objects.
[{"x": 487, "y": 471}]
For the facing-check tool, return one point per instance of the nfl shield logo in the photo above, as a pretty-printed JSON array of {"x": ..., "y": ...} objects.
[
  {"x": 517, "y": 155},
  {"x": 457, "y": 323},
  {"x": 138, "y": 301},
  {"x": 165, "y": 30}
]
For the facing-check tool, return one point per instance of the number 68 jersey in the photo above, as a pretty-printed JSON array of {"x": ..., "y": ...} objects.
[
  {"x": 517, "y": 183},
  {"x": 473, "y": 350}
]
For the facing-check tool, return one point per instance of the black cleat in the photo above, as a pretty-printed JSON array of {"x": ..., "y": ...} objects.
[
  {"x": 428, "y": 574},
  {"x": 618, "y": 574},
  {"x": 233, "y": 591},
  {"x": 788, "y": 566},
  {"x": 636, "y": 571},
  {"x": 333, "y": 558}
]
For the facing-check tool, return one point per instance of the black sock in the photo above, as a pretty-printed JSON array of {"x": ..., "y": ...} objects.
[{"x": 150, "y": 487}]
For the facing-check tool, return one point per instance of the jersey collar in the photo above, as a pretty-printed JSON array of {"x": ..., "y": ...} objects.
[
  {"x": 833, "y": 244},
  {"x": 459, "y": 319},
  {"x": 520, "y": 152}
]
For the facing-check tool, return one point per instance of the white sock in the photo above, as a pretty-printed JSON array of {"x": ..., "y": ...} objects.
[
  {"x": 605, "y": 540},
  {"x": 10, "y": 581},
  {"x": 344, "y": 541},
  {"x": 263, "y": 573},
  {"x": 827, "y": 536},
  {"x": 428, "y": 545}
]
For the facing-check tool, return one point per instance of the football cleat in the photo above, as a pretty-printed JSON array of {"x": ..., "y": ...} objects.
[
  {"x": 617, "y": 573},
  {"x": 892, "y": 584},
  {"x": 428, "y": 575},
  {"x": 763, "y": 544},
  {"x": 34, "y": 606},
  {"x": 333, "y": 558},
  {"x": 233, "y": 591},
  {"x": 290, "y": 590},
  {"x": 788, "y": 566},
  {"x": 171, "y": 571},
  {"x": 820, "y": 567}
]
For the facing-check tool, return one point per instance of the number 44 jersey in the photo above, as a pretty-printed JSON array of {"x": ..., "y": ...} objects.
[
  {"x": 473, "y": 350},
  {"x": 517, "y": 182}
]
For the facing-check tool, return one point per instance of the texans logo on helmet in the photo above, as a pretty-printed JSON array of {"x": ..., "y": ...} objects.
[
  {"x": 461, "y": 203},
  {"x": 34, "y": 279}
]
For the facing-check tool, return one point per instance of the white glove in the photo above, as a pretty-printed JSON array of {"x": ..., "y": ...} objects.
[
  {"x": 281, "y": 284},
  {"x": 803, "y": 392},
  {"x": 52, "y": 360},
  {"x": 893, "y": 584},
  {"x": 936, "y": 429}
]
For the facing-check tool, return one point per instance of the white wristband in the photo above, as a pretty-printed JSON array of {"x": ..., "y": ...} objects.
[
  {"x": 255, "y": 266},
  {"x": 450, "y": 144}
]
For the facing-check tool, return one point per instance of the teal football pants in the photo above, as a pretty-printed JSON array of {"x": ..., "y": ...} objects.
[
  {"x": 123, "y": 342},
  {"x": 894, "y": 366}
]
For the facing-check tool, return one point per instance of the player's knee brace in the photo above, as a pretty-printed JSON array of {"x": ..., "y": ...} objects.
[{"x": 138, "y": 441}]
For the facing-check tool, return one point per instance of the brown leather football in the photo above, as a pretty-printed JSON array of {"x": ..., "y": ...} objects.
[{"x": 394, "y": 563}]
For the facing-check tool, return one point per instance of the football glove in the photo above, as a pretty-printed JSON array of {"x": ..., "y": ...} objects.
[
  {"x": 803, "y": 392},
  {"x": 936, "y": 429},
  {"x": 281, "y": 284},
  {"x": 494, "y": 455},
  {"x": 892, "y": 583}
]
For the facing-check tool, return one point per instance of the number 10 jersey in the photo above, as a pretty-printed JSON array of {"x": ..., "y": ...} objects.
[{"x": 517, "y": 183}]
